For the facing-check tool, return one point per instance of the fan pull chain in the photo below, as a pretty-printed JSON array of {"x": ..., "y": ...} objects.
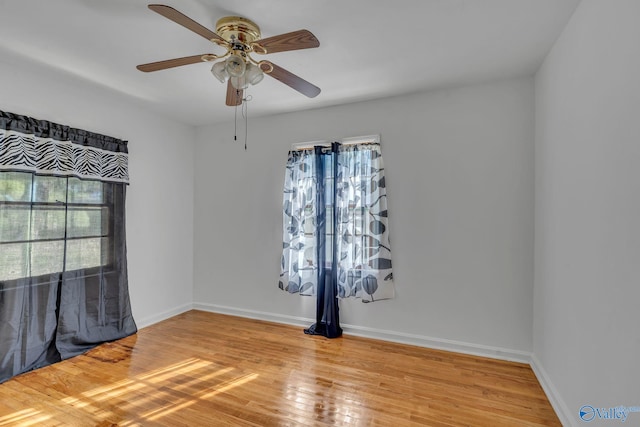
[
  {"x": 246, "y": 120},
  {"x": 244, "y": 115},
  {"x": 235, "y": 121}
]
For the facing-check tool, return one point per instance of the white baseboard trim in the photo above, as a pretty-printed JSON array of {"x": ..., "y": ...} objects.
[
  {"x": 440, "y": 344},
  {"x": 253, "y": 314},
  {"x": 562, "y": 410},
  {"x": 158, "y": 317},
  {"x": 393, "y": 336}
]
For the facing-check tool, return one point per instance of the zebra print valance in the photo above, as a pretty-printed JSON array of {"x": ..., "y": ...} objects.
[{"x": 42, "y": 147}]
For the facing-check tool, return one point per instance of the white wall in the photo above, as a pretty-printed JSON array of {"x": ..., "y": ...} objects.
[
  {"x": 160, "y": 197},
  {"x": 587, "y": 216},
  {"x": 459, "y": 167}
]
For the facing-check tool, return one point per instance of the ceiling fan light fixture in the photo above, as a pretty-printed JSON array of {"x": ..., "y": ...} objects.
[
  {"x": 239, "y": 83},
  {"x": 220, "y": 72},
  {"x": 235, "y": 65},
  {"x": 253, "y": 74}
]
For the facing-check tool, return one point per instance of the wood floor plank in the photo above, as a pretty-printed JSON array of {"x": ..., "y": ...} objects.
[{"x": 207, "y": 369}]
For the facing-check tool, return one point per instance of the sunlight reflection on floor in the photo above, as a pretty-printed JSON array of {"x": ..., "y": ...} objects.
[
  {"x": 26, "y": 417},
  {"x": 145, "y": 397}
]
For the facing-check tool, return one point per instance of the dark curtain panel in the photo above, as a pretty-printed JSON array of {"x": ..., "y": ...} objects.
[
  {"x": 327, "y": 316},
  {"x": 28, "y": 312},
  {"x": 63, "y": 265},
  {"x": 94, "y": 302}
]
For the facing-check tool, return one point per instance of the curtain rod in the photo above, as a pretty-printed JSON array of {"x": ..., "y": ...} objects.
[{"x": 367, "y": 139}]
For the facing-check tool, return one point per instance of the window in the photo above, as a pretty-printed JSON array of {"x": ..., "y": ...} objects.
[
  {"x": 335, "y": 218},
  {"x": 335, "y": 236},
  {"x": 52, "y": 224},
  {"x": 63, "y": 253}
]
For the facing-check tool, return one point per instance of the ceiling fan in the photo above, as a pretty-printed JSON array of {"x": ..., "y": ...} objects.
[{"x": 240, "y": 37}]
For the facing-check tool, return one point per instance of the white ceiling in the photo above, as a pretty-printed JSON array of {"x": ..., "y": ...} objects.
[{"x": 368, "y": 48}]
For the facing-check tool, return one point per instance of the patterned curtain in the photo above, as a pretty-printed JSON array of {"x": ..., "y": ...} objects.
[
  {"x": 63, "y": 265},
  {"x": 362, "y": 229},
  {"x": 335, "y": 228},
  {"x": 299, "y": 267}
]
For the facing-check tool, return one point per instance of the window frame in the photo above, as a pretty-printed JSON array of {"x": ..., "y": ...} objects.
[{"x": 106, "y": 208}]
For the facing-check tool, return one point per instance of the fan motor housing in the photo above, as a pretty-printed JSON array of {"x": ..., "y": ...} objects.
[{"x": 235, "y": 27}]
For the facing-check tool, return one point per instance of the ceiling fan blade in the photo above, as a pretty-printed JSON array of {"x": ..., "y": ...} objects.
[
  {"x": 290, "y": 79},
  {"x": 234, "y": 96},
  {"x": 301, "y": 39},
  {"x": 179, "y": 18},
  {"x": 170, "y": 63}
]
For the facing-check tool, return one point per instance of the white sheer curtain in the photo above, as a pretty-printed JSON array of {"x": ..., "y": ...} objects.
[
  {"x": 335, "y": 227},
  {"x": 362, "y": 229}
]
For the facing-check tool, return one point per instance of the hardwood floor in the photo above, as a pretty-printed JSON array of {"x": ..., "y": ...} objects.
[{"x": 205, "y": 369}]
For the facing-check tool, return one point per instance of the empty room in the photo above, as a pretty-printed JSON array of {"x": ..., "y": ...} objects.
[{"x": 298, "y": 213}]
